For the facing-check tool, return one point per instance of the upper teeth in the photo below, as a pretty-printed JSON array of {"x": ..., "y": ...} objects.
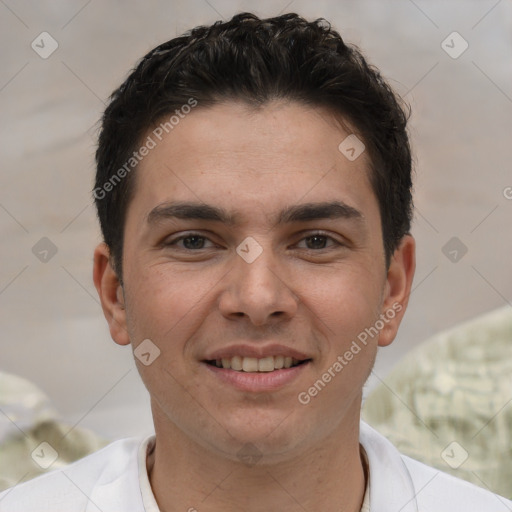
[{"x": 253, "y": 364}]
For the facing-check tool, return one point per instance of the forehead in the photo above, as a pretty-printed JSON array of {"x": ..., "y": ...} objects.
[
  {"x": 286, "y": 129},
  {"x": 233, "y": 153}
]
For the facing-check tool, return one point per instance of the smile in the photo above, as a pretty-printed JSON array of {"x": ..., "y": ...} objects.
[{"x": 256, "y": 365}]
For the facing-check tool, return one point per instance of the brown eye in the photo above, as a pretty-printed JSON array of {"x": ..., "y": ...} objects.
[
  {"x": 316, "y": 242},
  {"x": 319, "y": 241},
  {"x": 193, "y": 242},
  {"x": 190, "y": 241}
]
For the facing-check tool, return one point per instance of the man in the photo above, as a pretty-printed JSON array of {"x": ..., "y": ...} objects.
[{"x": 254, "y": 192}]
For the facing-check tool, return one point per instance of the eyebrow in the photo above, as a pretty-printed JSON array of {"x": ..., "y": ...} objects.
[{"x": 296, "y": 213}]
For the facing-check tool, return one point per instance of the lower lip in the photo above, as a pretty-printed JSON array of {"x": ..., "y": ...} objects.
[{"x": 258, "y": 382}]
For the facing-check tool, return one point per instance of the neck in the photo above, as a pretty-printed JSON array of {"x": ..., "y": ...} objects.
[{"x": 185, "y": 476}]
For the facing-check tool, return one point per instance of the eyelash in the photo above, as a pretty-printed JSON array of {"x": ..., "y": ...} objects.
[{"x": 199, "y": 235}]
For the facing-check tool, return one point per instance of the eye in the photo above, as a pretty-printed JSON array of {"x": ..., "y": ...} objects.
[
  {"x": 196, "y": 242},
  {"x": 318, "y": 241},
  {"x": 191, "y": 241}
]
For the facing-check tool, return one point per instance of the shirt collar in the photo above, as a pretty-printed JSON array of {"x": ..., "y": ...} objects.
[
  {"x": 148, "y": 498},
  {"x": 392, "y": 487}
]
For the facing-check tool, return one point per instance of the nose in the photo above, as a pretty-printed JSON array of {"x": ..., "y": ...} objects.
[{"x": 259, "y": 291}]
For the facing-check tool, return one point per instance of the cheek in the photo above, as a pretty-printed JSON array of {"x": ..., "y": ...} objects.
[
  {"x": 346, "y": 312},
  {"x": 162, "y": 307},
  {"x": 160, "y": 300},
  {"x": 346, "y": 300},
  {"x": 170, "y": 307}
]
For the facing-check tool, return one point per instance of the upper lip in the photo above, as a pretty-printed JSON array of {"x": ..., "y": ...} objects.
[{"x": 258, "y": 352}]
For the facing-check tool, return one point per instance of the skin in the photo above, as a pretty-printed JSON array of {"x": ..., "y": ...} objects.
[{"x": 313, "y": 294}]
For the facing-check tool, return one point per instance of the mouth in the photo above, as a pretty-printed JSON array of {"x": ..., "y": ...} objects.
[
  {"x": 256, "y": 365},
  {"x": 254, "y": 368},
  {"x": 257, "y": 374}
]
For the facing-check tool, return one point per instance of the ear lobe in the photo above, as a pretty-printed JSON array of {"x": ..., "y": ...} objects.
[
  {"x": 397, "y": 289},
  {"x": 111, "y": 295}
]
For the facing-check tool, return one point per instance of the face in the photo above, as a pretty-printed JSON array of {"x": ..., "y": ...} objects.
[{"x": 253, "y": 243}]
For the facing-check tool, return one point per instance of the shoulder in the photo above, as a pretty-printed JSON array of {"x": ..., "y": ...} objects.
[
  {"x": 436, "y": 491},
  {"x": 86, "y": 484},
  {"x": 398, "y": 482}
]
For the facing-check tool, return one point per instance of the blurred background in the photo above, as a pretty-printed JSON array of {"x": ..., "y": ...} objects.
[{"x": 451, "y": 60}]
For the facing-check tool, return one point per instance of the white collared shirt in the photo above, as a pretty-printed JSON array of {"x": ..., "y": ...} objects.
[{"x": 115, "y": 479}]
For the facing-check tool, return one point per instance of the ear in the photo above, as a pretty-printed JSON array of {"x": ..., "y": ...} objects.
[
  {"x": 111, "y": 295},
  {"x": 397, "y": 289}
]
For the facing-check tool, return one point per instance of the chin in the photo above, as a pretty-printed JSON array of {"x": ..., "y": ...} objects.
[{"x": 274, "y": 435}]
